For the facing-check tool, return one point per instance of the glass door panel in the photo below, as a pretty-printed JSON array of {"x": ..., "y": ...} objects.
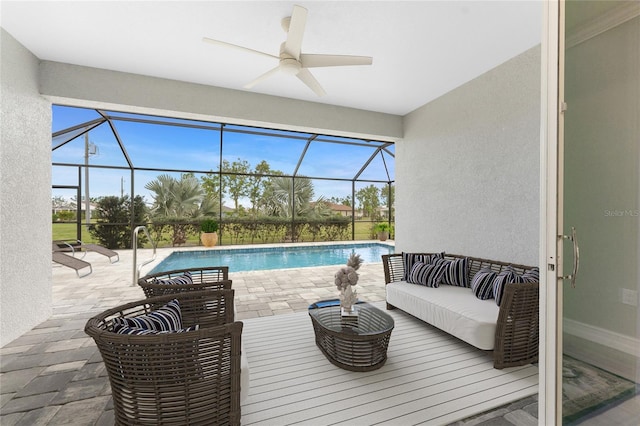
[{"x": 600, "y": 321}]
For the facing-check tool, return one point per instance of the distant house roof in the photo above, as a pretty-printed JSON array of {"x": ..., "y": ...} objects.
[
  {"x": 339, "y": 207},
  {"x": 333, "y": 206}
]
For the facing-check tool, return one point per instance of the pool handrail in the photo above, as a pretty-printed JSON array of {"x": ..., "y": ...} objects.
[{"x": 137, "y": 268}]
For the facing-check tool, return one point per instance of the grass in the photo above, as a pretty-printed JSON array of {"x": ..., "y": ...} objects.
[{"x": 67, "y": 231}]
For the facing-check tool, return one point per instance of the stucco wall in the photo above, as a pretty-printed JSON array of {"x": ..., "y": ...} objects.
[
  {"x": 467, "y": 180},
  {"x": 25, "y": 193}
]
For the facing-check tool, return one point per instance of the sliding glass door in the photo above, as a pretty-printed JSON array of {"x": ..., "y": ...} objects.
[{"x": 598, "y": 213}]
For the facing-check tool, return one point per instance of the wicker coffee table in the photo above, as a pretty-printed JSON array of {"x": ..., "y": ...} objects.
[{"x": 356, "y": 345}]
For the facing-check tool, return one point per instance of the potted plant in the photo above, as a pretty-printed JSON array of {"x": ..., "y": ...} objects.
[
  {"x": 382, "y": 230},
  {"x": 209, "y": 236}
]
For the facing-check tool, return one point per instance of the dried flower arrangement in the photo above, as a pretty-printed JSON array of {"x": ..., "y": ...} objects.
[{"x": 345, "y": 279}]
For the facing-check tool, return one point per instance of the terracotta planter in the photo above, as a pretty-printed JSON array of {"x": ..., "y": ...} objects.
[
  {"x": 209, "y": 239},
  {"x": 383, "y": 235}
]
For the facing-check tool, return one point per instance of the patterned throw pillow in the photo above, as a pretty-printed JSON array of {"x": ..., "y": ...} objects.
[
  {"x": 507, "y": 275},
  {"x": 185, "y": 278},
  {"x": 531, "y": 276},
  {"x": 456, "y": 273},
  {"x": 134, "y": 331},
  {"x": 426, "y": 274},
  {"x": 166, "y": 318},
  {"x": 408, "y": 259},
  {"x": 482, "y": 283}
]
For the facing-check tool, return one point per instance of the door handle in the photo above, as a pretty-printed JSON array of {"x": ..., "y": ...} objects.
[{"x": 576, "y": 257}]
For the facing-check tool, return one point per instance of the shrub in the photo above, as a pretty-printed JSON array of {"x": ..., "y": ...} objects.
[
  {"x": 209, "y": 225},
  {"x": 382, "y": 227},
  {"x": 113, "y": 229}
]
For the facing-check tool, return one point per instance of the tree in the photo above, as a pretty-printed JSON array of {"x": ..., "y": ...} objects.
[
  {"x": 179, "y": 203},
  {"x": 318, "y": 210},
  {"x": 369, "y": 200},
  {"x": 113, "y": 228},
  {"x": 58, "y": 203},
  {"x": 388, "y": 194},
  {"x": 211, "y": 185},
  {"x": 286, "y": 192},
  {"x": 343, "y": 201},
  {"x": 257, "y": 185},
  {"x": 235, "y": 179},
  {"x": 62, "y": 209}
]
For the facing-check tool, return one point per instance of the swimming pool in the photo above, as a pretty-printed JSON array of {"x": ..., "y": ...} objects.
[{"x": 265, "y": 258}]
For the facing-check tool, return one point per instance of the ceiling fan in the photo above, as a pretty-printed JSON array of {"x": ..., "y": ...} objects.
[{"x": 292, "y": 61}]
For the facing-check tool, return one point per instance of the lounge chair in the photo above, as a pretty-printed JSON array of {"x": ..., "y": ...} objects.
[
  {"x": 71, "y": 262},
  {"x": 85, "y": 247}
]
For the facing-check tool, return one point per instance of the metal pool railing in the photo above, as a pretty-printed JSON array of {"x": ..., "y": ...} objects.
[{"x": 136, "y": 267}]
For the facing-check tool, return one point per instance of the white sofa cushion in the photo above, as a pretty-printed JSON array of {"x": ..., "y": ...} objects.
[{"x": 455, "y": 310}]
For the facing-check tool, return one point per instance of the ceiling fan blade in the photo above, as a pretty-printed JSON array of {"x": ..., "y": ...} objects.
[
  {"x": 263, "y": 77},
  {"x": 235, "y": 46},
  {"x": 314, "y": 61},
  {"x": 308, "y": 79},
  {"x": 293, "y": 45}
]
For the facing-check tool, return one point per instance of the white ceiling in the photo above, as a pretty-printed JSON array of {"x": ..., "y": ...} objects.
[{"x": 420, "y": 49}]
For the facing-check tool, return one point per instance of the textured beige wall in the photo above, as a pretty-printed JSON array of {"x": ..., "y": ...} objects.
[
  {"x": 468, "y": 168},
  {"x": 25, "y": 193}
]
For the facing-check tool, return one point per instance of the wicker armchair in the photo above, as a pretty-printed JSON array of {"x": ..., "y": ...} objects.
[
  {"x": 174, "y": 378},
  {"x": 208, "y": 278}
]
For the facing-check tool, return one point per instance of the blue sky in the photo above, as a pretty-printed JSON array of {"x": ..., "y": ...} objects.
[{"x": 181, "y": 148}]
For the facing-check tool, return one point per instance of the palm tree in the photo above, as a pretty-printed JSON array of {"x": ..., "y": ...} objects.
[
  {"x": 288, "y": 193},
  {"x": 178, "y": 203}
]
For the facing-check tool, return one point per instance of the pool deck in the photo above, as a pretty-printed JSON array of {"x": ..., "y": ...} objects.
[{"x": 257, "y": 293}]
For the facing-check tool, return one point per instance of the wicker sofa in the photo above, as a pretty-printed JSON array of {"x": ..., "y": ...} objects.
[{"x": 510, "y": 330}]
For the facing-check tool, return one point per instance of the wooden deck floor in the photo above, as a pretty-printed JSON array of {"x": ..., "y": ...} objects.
[{"x": 429, "y": 378}]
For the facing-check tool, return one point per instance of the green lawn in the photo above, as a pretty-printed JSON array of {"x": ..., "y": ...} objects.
[{"x": 67, "y": 231}]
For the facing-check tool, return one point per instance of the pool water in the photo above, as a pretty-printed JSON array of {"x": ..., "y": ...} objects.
[{"x": 263, "y": 258}]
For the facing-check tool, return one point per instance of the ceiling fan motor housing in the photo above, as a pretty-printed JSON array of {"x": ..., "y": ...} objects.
[{"x": 290, "y": 66}]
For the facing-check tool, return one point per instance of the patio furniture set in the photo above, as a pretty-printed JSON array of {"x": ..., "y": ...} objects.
[{"x": 176, "y": 357}]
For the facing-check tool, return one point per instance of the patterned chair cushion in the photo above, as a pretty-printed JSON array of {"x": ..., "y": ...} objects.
[{"x": 166, "y": 318}]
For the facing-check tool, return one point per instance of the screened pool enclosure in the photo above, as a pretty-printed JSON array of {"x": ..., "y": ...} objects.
[{"x": 112, "y": 171}]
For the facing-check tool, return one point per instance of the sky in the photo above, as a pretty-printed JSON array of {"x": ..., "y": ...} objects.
[{"x": 156, "y": 146}]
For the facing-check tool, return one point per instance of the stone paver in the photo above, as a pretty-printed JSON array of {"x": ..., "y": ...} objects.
[
  {"x": 42, "y": 384},
  {"x": 39, "y": 417},
  {"x": 54, "y": 375}
]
